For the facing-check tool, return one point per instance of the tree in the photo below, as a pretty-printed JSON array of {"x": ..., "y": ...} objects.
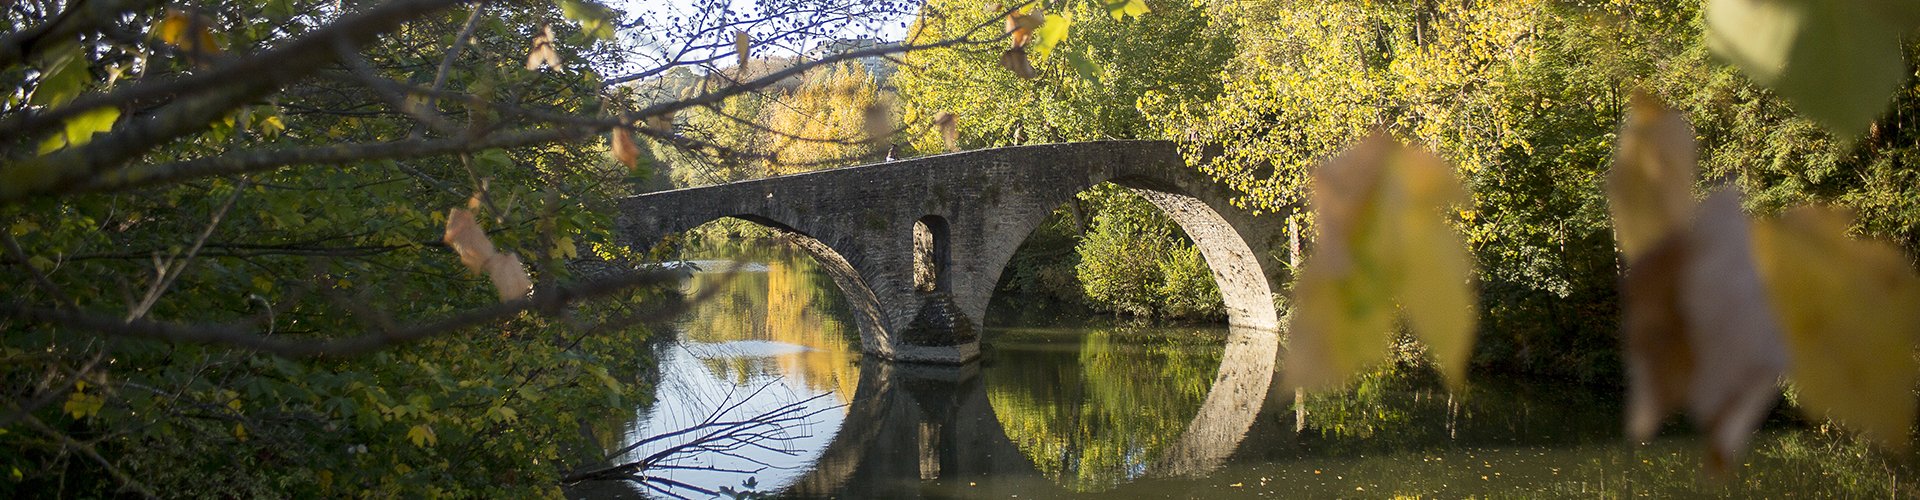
[
  {"x": 1091, "y": 87},
  {"x": 226, "y": 224}
]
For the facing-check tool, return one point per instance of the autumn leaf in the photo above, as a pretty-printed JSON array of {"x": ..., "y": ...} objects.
[
  {"x": 1020, "y": 25},
  {"x": 595, "y": 20},
  {"x": 80, "y": 129},
  {"x": 624, "y": 149},
  {"x": 877, "y": 121},
  {"x": 1700, "y": 332},
  {"x": 1434, "y": 291},
  {"x": 1847, "y": 307},
  {"x": 186, "y": 31},
  {"x": 543, "y": 54},
  {"x": 660, "y": 123},
  {"x": 1050, "y": 33},
  {"x": 742, "y": 42},
  {"x": 1015, "y": 60},
  {"x": 949, "y": 125},
  {"x": 1650, "y": 188},
  {"x": 1838, "y": 61},
  {"x": 422, "y": 436},
  {"x": 1384, "y": 245},
  {"x": 478, "y": 254}
]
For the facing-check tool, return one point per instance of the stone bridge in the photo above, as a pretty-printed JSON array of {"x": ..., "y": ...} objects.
[{"x": 918, "y": 245}]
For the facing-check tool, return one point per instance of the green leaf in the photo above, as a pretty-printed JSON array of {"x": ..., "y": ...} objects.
[
  {"x": 1120, "y": 9},
  {"x": 63, "y": 74},
  {"x": 1049, "y": 34},
  {"x": 1083, "y": 67},
  {"x": 1838, "y": 61},
  {"x": 595, "y": 20}
]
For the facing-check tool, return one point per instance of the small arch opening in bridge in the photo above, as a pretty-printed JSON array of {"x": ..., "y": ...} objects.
[{"x": 930, "y": 254}]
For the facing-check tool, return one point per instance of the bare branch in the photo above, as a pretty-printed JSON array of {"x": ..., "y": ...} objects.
[{"x": 247, "y": 338}]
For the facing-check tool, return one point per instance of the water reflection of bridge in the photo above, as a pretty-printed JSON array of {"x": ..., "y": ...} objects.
[{"x": 917, "y": 430}]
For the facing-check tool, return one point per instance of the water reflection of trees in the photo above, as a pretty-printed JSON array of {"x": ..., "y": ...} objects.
[
  {"x": 1093, "y": 409},
  {"x": 791, "y": 302}
]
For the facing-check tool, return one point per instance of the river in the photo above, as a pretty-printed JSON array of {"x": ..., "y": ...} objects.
[{"x": 1099, "y": 409}]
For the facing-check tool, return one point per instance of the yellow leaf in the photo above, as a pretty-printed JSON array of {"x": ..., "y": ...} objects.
[
  {"x": 240, "y": 431},
  {"x": 1050, "y": 33},
  {"x": 187, "y": 31},
  {"x": 1848, "y": 308},
  {"x": 81, "y": 404},
  {"x": 422, "y": 436},
  {"x": 1120, "y": 9},
  {"x": 1384, "y": 242},
  {"x": 1435, "y": 290},
  {"x": 1650, "y": 189}
]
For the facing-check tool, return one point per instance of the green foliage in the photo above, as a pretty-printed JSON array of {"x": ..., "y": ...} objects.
[
  {"x": 1090, "y": 88},
  {"x": 1093, "y": 417},
  {"x": 313, "y": 254},
  {"x": 1117, "y": 275}
]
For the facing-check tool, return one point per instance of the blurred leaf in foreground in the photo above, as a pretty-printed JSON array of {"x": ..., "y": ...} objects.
[
  {"x": 1650, "y": 189},
  {"x": 1385, "y": 244},
  {"x": 1850, "y": 309},
  {"x": 1838, "y": 61}
]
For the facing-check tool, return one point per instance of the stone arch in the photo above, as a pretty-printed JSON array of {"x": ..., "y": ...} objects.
[
  {"x": 869, "y": 316},
  {"x": 1243, "y": 281},
  {"x": 1246, "y": 277}
]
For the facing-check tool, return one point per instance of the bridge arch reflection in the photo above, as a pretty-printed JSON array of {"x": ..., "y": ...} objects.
[{"x": 915, "y": 430}]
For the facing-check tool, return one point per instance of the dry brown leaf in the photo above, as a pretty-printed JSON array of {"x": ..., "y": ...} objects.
[
  {"x": 543, "y": 54},
  {"x": 1650, "y": 189},
  {"x": 1738, "y": 352},
  {"x": 1020, "y": 25},
  {"x": 1848, "y": 307},
  {"x": 624, "y": 149},
  {"x": 742, "y": 43},
  {"x": 1700, "y": 330},
  {"x": 877, "y": 121},
  {"x": 1015, "y": 60},
  {"x": 661, "y": 123},
  {"x": 479, "y": 255},
  {"x": 949, "y": 125},
  {"x": 1659, "y": 357}
]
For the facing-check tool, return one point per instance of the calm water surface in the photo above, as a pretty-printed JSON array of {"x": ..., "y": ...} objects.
[{"x": 1149, "y": 412}]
